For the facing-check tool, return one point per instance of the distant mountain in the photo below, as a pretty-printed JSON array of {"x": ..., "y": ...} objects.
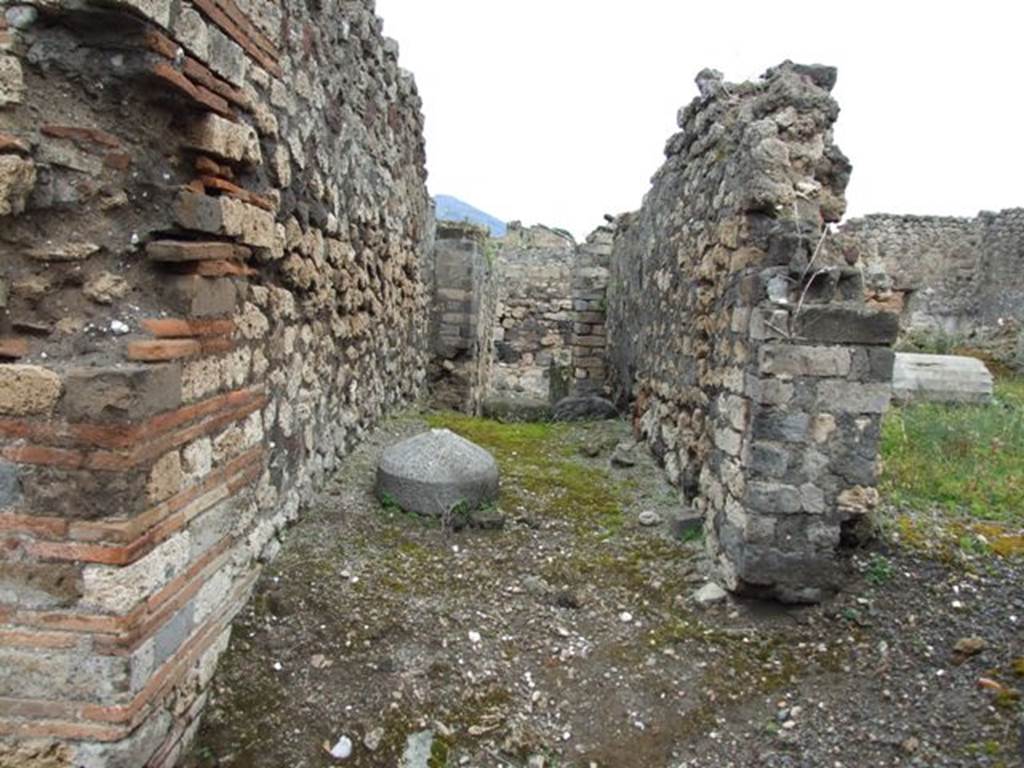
[{"x": 452, "y": 209}]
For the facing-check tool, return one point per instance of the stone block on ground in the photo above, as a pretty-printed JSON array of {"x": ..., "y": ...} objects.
[
  {"x": 436, "y": 472},
  {"x": 511, "y": 409},
  {"x": 587, "y": 408},
  {"x": 940, "y": 379}
]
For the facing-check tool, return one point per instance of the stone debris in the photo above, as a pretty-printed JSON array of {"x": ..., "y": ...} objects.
[
  {"x": 649, "y": 518},
  {"x": 710, "y": 594},
  {"x": 584, "y": 408},
  {"x": 342, "y": 749},
  {"x": 417, "y": 750},
  {"x": 967, "y": 647},
  {"x": 624, "y": 455},
  {"x": 373, "y": 739}
]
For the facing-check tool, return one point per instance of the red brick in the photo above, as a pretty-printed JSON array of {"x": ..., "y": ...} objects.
[
  {"x": 12, "y": 144},
  {"x": 167, "y": 519},
  {"x": 82, "y": 135},
  {"x": 233, "y": 26},
  {"x": 163, "y": 350},
  {"x": 72, "y": 552},
  {"x": 187, "y": 250},
  {"x": 217, "y": 346},
  {"x": 176, "y": 667},
  {"x": 175, "y": 328},
  {"x": 75, "y": 622},
  {"x": 119, "y": 161},
  {"x": 59, "y": 729},
  {"x": 209, "y": 167},
  {"x": 37, "y": 526},
  {"x": 41, "y": 454},
  {"x": 22, "y": 639},
  {"x": 146, "y": 439},
  {"x": 160, "y": 43},
  {"x": 13, "y": 348},
  {"x": 197, "y": 93},
  {"x": 202, "y": 76},
  {"x": 224, "y": 268},
  {"x": 168, "y": 601},
  {"x": 237, "y": 15},
  {"x": 222, "y": 185}
]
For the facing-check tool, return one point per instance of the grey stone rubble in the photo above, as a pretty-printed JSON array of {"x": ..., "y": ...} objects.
[
  {"x": 436, "y": 472},
  {"x": 941, "y": 379},
  {"x": 584, "y": 408}
]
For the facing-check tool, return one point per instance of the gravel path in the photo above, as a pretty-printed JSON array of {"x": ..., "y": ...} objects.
[{"x": 569, "y": 639}]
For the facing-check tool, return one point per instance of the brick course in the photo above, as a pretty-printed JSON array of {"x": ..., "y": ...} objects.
[{"x": 160, "y": 429}]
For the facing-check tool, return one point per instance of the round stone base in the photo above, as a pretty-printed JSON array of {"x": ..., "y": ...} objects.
[{"x": 436, "y": 472}]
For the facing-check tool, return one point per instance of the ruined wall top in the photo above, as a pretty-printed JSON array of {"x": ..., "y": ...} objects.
[
  {"x": 461, "y": 230},
  {"x": 954, "y": 275},
  {"x": 769, "y": 143},
  {"x": 537, "y": 236}
]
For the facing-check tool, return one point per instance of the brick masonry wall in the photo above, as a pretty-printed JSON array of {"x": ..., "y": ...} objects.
[
  {"x": 756, "y": 372},
  {"x": 463, "y": 312},
  {"x": 955, "y": 275},
  {"x": 212, "y": 218},
  {"x": 534, "y": 317},
  {"x": 589, "y": 341}
]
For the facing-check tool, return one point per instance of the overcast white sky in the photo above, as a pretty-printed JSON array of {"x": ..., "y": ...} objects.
[{"x": 557, "y": 111}]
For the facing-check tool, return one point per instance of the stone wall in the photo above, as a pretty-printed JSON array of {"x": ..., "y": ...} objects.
[
  {"x": 534, "y": 323},
  {"x": 953, "y": 275},
  {"x": 212, "y": 215},
  {"x": 589, "y": 309},
  {"x": 758, "y": 375},
  {"x": 463, "y": 311}
]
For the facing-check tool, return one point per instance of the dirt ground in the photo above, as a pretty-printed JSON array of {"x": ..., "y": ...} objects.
[{"x": 569, "y": 638}]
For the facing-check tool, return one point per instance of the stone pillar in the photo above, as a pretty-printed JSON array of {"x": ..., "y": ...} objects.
[
  {"x": 758, "y": 374},
  {"x": 464, "y": 308},
  {"x": 589, "y": 310}
]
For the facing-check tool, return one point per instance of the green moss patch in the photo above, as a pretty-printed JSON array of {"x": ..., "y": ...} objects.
[{"x": 539, "y": 477}]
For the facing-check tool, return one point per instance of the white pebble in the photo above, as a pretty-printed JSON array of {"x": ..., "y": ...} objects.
[{"x": 343, "y": 749}]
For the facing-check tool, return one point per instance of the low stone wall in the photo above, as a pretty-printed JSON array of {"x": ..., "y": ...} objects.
[
  {"x": 534, "y": 322},
  {"x": 212, "y": 215},
  {"x": 957, "y": 276},
  {"x": 758, "y": 375},
  {"x": 464, "y": 307}
]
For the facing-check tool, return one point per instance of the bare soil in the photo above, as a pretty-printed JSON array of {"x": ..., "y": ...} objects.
[{"x": 569, "y": 638}]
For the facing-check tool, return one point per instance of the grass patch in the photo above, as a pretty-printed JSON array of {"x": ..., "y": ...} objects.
[
  {"x": 966, "y": 460},
  {"x": 955, "y": 475}
]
